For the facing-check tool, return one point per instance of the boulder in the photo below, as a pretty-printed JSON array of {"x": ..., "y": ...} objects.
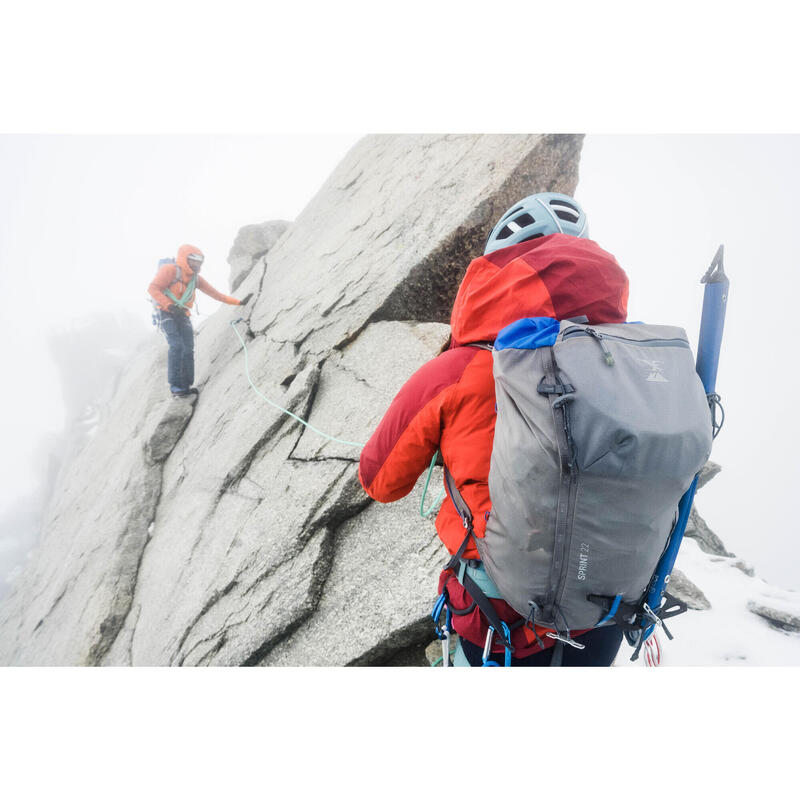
[
  {"x": 777, "y": 618},
  {"x": 252, "y": 244},
  {"x": 682, "y": 588},
  {"x": 237, "y": 534}
]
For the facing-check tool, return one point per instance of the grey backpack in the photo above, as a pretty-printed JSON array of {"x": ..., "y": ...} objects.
[{"x": 600, "y": 430}]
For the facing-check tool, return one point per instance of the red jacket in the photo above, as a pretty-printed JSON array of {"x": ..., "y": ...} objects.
[{"x": 449, "y": 403}]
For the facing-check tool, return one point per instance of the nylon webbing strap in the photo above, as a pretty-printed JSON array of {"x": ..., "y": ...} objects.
[
  {"x": 487, "y": 609},
  {"x": 458, "y": 501},
  {"x": 187, "y": 293},
  {"x": 456, "y": 557},
  {"x": 475, "y": 591}
]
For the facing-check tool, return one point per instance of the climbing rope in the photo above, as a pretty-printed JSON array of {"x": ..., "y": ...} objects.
[
  {"x": 436, "y": 503},
  {"x": 280, "y": 408}
]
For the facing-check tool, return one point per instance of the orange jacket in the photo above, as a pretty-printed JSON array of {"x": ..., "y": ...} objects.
[
  {"x": 449, "y": 403},
  {"x": 165, "y": 280}
]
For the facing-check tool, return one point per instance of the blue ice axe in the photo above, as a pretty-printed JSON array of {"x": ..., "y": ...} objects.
[{"x": 715, "y": 301}]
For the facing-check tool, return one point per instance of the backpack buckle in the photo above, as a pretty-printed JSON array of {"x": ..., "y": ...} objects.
[
  {"x": 552, "y": 388},
  {"x": 565, "y": 638},
  {"x": 651, "y": 615}
]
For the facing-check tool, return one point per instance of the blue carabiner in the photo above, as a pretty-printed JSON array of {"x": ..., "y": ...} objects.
[
  {"x": 507, "y": 632},
  {"x": 437, "y": 612}
]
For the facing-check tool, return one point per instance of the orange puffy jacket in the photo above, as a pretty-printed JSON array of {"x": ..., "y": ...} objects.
[
  {"x": 165, "y": 280},
  {"x": 449, "y": 403}
]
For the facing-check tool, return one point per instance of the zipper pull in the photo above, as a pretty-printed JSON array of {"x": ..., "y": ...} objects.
[{"x": 606, "y": 352}]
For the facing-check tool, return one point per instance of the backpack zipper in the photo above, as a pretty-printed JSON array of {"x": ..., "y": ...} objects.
[
  {"x": 570, "y": 333},
  {"x": 561, "y": 559}
]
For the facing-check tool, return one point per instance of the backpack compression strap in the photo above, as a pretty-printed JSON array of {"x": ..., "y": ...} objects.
[{"x": 475, "y": 591}]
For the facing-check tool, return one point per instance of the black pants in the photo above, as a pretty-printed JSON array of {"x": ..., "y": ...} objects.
[
  {"x": 180, "y": 358},
  {"x": 602, "y": 645}
]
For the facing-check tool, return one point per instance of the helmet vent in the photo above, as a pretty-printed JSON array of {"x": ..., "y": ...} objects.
[
  {"x": 567, "y": 216},
  {"x": 509, "y": 213},
  {"x": 505, "y": 233},
  {"x": 560, "y": 202},
  {"x": 524, "y": 219},
  {"x": 565, "y": 211}
]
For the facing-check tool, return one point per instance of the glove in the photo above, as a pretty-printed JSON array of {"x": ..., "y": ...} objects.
[
  {"x": 245, "y": 300},
  {"x": 174, "y": 309}
]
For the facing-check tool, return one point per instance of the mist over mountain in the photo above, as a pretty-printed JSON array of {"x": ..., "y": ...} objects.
[
  {"x": 90, "y": 354},
  {"x": 221, "y": 531}
]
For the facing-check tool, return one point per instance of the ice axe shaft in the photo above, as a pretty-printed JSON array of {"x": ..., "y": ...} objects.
[{"x": 712, "y": 323}]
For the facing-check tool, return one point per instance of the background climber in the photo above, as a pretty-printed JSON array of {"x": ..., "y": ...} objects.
[{"x": 173, "y": 290}]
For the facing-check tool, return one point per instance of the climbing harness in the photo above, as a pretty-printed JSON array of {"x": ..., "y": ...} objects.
[
  {"x": 181, "y": 301},
  {"x": 188, "y": 292}
]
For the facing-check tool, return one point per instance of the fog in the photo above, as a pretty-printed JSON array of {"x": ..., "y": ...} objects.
[{"x": 84, "y": 220}]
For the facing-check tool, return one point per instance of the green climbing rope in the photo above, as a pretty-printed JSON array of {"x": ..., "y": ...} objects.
[
  {"x": 280, "y": 408},
  {"x": 438, "y": 501}
]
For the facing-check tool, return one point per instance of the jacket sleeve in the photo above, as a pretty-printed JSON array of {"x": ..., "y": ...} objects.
[
  {"x": 408, "y": 435},
  {"x": 204, "y": 286},
  {"x": 162, "y": 281}
]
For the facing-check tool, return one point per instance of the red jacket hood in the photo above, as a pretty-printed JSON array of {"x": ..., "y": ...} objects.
[{"x": 557, "y": 276}]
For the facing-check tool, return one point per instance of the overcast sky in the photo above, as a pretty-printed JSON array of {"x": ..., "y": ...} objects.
[{"x": 84, "y": 220}]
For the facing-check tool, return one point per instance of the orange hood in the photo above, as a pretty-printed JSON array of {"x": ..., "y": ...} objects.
[
  {"x": 556, "y": 276},
  {"x": 184, "y": 251}
]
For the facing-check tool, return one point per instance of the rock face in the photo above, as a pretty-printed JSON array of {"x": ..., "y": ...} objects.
[
  {"x": 684, "y": 589},
  {"x": 251, "y": 245},
  {"x": 781, "y": 619},
  {"x": 225, "y": 532}
]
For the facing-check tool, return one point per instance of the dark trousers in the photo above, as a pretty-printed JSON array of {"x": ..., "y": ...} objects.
[
  {"x": 602, "y": 645},
  {"x": 180, "y": 359}
]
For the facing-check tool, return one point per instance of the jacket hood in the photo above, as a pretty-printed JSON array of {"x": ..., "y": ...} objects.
[
  {"x": 556, "y": 276},
  {"x": 184, "y": 251}
]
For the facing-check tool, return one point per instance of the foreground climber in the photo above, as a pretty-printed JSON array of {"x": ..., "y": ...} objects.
[
  {"x": 173, "y": 290},
  {"x": 537, "y": 263}
]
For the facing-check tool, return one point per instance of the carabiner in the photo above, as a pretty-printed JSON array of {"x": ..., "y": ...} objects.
[
  {"x": 487, "y": 649},
  {"x": 566, "y": 640},
  {"x": 446, "y": 648}
]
